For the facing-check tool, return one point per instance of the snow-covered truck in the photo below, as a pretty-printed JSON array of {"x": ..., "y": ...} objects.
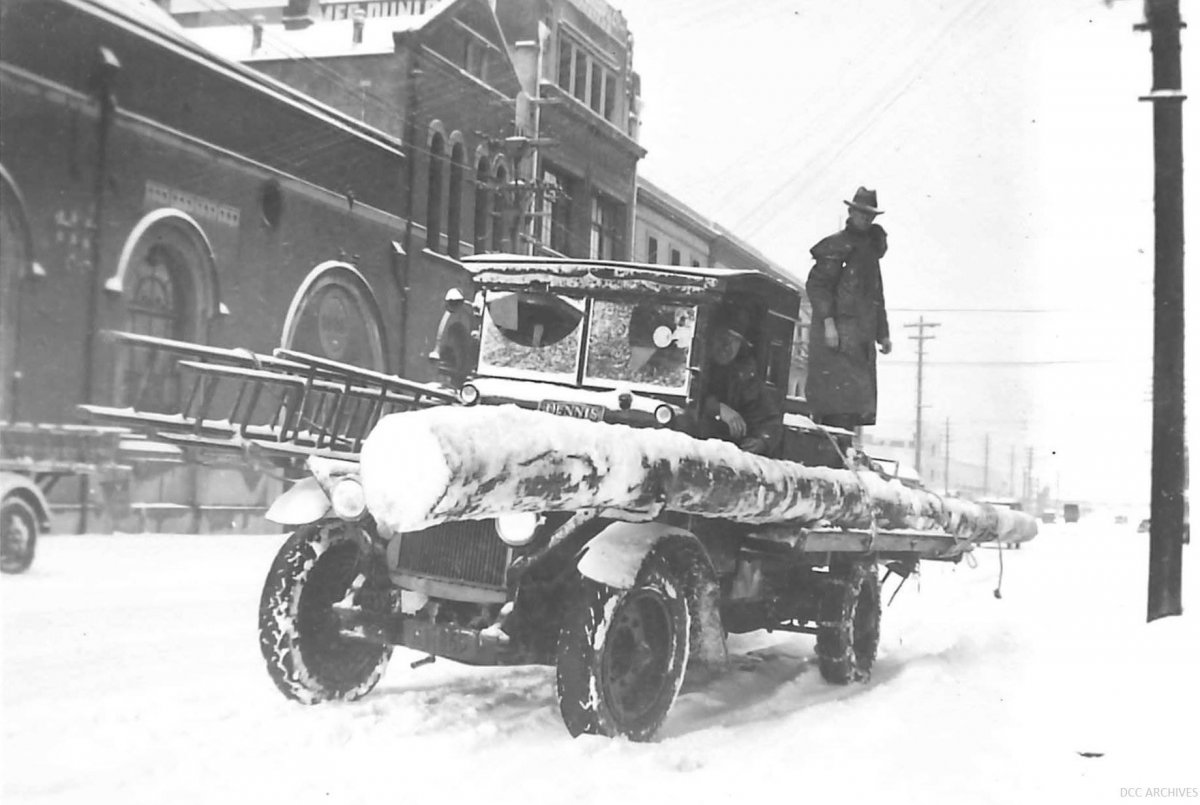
[{"x": 572, "y": 504}]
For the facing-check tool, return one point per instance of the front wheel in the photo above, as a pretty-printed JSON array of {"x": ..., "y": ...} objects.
[
  {"x": 622, "y": 654},
  {"x": 307, "y": 657},
  {"x": 18, "y": 535},
  {"x": 848, "y": 627}
]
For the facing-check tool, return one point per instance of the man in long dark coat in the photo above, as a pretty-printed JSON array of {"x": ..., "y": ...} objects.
[{"x": 849, "y": 318}]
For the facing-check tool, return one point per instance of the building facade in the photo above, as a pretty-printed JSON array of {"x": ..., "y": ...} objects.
[
  {"x": 517, "y": 114},
  {"x": 150, "y": 186}
]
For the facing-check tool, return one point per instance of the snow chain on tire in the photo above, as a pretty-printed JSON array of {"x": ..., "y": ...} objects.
[
  {"x": 307, "y": 658},
  {"x": 622, "y": 654},
  {"x": 848, "y": 626}
]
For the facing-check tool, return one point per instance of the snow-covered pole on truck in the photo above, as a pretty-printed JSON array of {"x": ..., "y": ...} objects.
[{"x": 422, "y": 468}]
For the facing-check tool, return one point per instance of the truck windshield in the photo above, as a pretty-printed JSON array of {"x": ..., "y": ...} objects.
[
  {"x": 529, "y": 334},
  {"x": 640, "y": 344}
]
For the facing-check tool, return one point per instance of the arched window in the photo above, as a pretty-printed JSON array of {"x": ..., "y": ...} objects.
[
  {"x": 454, "y": 217},
  {"x": 334, "y": 314},
  {"x": 436, "y": 197},
  {"x": 483, "y": 211},
  {"x": 500, "y": 209},
  {"x": 167, "y": 279}
]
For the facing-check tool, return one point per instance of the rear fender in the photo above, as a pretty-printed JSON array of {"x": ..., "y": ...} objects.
[
  {"x": 306, "y": 502},
  {"x": 615, "y": 555}
]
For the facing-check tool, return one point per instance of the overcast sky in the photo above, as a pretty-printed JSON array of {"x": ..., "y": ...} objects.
[{"x": 1013, "y": 160}]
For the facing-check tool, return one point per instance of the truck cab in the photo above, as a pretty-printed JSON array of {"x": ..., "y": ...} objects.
[{"x": 627, "y": 343}]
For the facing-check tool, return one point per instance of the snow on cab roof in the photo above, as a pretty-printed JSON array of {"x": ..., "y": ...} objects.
[{"x": 499, "y": 266}]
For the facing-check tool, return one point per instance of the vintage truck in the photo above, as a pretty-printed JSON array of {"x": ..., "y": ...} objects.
[
  {"x": 34, "y": 458},
  {"x": 571, "y": 503}
]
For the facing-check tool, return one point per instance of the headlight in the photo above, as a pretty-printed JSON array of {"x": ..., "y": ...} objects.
[
  {"x": 347, "y": 499},
  {"x": 663, "y": 414},
  {"x": 517, "y": 528},
  {"x": 468, "y": 394}
]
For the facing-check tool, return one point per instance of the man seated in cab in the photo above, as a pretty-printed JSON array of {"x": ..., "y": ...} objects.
[{"x": 739, "y": 406}]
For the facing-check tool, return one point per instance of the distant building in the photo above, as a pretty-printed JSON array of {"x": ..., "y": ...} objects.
[{"x": 517, "y": 114}]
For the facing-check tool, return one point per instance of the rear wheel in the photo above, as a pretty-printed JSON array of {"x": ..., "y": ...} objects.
[
  {"x": 622, "y": 654},
  {"x": 848, "y": 627},
  {"x": 18, "y": 535},
  {"x": 307, "y": 657}
]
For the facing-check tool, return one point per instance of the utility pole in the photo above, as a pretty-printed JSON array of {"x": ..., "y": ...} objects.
[
  {"x": 1012, "y": 471},
  {"x": 986, "y": 460},
  {"x": 1028, "y": 473},
  {"x": 1168, "y": 470},
  {"x": 920, "y": 338},
  {"x": 946, "y": 458}
]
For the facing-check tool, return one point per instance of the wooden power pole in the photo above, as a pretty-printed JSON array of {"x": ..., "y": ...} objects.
[
  {"x": 1168, "y": 446},
  {"x": 920, "y": 338}
]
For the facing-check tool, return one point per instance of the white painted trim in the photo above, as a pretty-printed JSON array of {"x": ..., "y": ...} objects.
[
  {"x": 288, "y": 332},
  {"x": 210, "y": 291}
]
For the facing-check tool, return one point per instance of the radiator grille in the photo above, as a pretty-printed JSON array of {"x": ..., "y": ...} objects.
[{"x": 467, "y": 552}]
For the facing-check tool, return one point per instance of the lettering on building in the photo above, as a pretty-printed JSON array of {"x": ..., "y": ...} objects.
[
  {"x": 344, "y": 9},
  {"x": 73, "y": 231},
  {"x": 159, "y": 195}
]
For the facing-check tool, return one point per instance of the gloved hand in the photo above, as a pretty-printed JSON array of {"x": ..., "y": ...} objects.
[
  {"x": 885, "y": 346},
  {"x": 733, "y": 420},
  {"x": 754, "y": 444},
  {"x": 831, "y": 334}
]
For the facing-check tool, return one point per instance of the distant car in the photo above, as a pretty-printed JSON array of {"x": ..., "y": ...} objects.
[
  {"x": 1144, "y": 526},
  {"x": 1071, "y": 512},
  {"x": 1049, "y": 515},
  {"x": 1121, "y": 519}
]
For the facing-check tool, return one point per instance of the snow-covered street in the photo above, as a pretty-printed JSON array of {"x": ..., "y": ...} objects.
[{"x": 131, "y": 673}]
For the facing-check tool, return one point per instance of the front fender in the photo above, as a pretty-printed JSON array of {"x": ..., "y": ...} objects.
[
  {"x": 615, "y": 555},
  {"x": 15, "y": 483},
  {"x": 306, "y": 502}
]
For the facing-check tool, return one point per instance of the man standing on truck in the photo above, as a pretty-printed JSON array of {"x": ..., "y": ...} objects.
[
  {"x": 738, "y": 403},
  {"x": 849, "y": 318}
]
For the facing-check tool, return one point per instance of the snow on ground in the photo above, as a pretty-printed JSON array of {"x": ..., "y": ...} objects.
[{"x": 131, "y": 673}]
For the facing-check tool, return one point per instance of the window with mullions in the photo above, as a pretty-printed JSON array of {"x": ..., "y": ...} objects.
[
  {"x": 454, "y": 216},
  {"x": 483, "y": 204},
  {"x": 437, "y": 174},
  {"x": 335, "y": 315},
  {"x": 606, "y": 229},
  {"x": 159, "y": 305},
  {"x": 500, "y": 211},
  {"x": 586, "y": 77},
  {"x": 475, "y": 58},
  {"x": 555, "y": 219}
]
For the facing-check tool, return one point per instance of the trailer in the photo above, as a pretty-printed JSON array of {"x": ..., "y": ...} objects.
[{"x": 34, "y": 458}]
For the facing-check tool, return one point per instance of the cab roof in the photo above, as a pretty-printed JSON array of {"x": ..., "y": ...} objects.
[{"x": 615, "y": 278}]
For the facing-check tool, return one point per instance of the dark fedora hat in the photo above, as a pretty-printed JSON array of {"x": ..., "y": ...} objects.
[{"x": 866, "y": 201}]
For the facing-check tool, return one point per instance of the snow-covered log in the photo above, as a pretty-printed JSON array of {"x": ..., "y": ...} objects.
[{"x": 421, "y": 468}]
